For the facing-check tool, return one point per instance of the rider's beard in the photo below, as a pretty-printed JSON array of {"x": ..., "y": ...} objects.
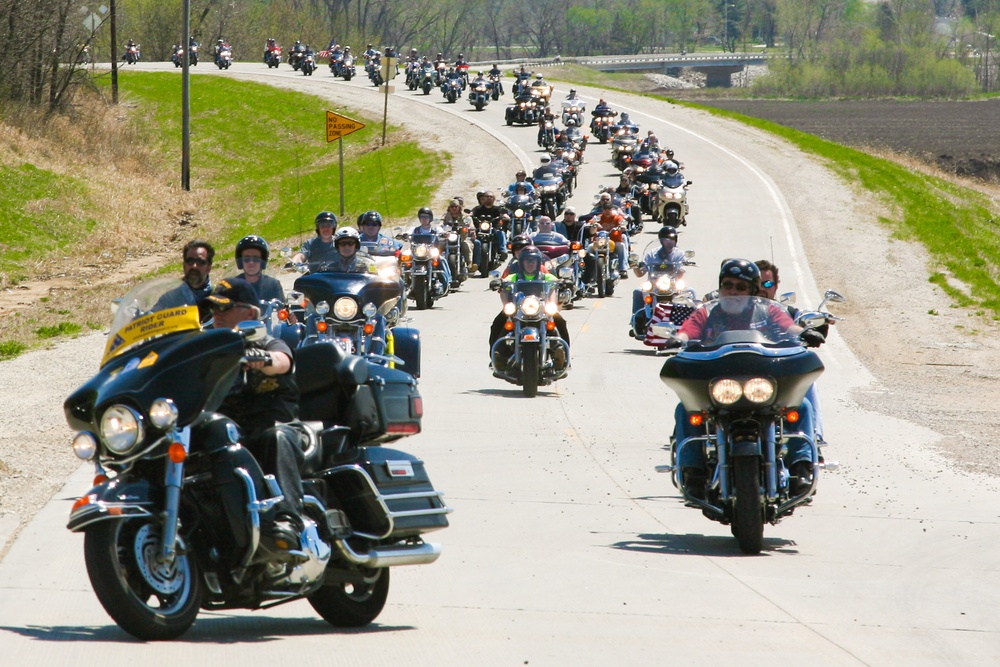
[
  {"x": 194, "y": 279},
  {"x": 732, "y": 305}
]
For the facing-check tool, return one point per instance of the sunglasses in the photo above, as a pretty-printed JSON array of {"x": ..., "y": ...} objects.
[
  {"x": 768, "y": 284},
  {"x": 197, "y": 261},
  {"x": 370, "y": 224},
  {"x": 738, "y": 286},
  {"x": 253, "y": 260},
  {"x": 226, "y": 307}
]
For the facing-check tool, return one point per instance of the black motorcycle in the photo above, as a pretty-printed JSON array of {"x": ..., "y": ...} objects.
[
  {"x": 423, "y": 269},
  {"x": 173, "y": 522},
  {"x": 491, "y": 255}
]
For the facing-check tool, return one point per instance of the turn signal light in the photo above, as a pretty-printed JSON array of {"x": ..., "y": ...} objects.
[
  {"x": 696, "y": 419},
  {"x": 176, "y": 452},
  {"x": 321, "y": 327},
  {"x": 792, "y": 416},
  {"x": 84, "y": 500},
  {"x": 100, "y": 479},
  {"x": 550, "y": 325},
  {"x": 508, "y": 325},
  {"x": 283, "y": 314},
  {"x": 369, "y": 328},
  {"x": 648, "y": 298}
]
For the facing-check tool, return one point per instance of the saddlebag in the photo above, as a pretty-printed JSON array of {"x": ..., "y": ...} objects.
[{"x": 386, "y": 493}]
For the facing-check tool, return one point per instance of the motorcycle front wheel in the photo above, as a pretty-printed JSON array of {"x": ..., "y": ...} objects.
[
  {"x": 602, "y": 281},
  {"x": 146, "y": 597},
  {"x": 422, "y": 292},
  {"x": 353, "y": 604},
  {"x": 529, "y": 371},
  {"x": 748, "y": 519}
]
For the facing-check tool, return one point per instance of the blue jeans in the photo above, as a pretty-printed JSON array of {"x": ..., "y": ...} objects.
[{"x": 693, "y": 455}]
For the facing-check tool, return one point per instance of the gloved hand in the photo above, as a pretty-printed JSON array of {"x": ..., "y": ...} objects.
[
  {"x": 673, "y": 343},
  {"x": 812, "y": 338},
  {"x": 253, "y": 354}
]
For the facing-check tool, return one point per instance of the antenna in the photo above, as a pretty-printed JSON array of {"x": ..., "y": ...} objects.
[{"x": 771, "y": 239}]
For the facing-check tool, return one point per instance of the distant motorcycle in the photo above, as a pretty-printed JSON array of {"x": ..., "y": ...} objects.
[
  {"x": 479, "y": 95},
  {"x": 224, "y": 59},
  {"x": 272, "y": 57},
  {"x": 132, "y": 54},
  {"x": 308, "y": 65}
]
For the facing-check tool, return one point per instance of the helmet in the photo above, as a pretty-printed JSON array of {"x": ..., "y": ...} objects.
[
  {"x": 298, "y": 41},
  {"x": 460, "y": 56},
  {"x": 670, "y": 167},
  {"x": 325, "y": 216},
  {"x": 413, "y": 50},
  {"x": 530, "y": 253},
  {"x": 252, "y": 241},
  {"x": 538, "y": 77},
  {"x": 519, "y": 242},
  {"x": 667, "y": 232},
  {"x": 572, "y": 91},
  {"x": 346, "y": 49},
  {"x": 347, "y": 234},
  {"x": 219, "y": 41},
  {"x": 439, "y": 55},
  {"x": 425, "y": 211},
  {"x": 546, "y": 158},
  {"x": 670, "y": 154},
  {"x": 742, "y": 269},
  {"x": 370, "y": 216},
  {"x": 624, "y": 116}
]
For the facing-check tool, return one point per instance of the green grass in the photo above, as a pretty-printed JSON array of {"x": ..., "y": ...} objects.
[
  {"x": 264, "y": 154},
  {"x": 11, "y": 348},
  {"x": 61, "y": 329}
]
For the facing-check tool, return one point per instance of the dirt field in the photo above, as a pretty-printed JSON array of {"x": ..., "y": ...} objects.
[{"x": 958, "y": 137}]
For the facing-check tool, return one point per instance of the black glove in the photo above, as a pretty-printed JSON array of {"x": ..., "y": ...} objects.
[
  {"x": 812, "y": 338},
  {"x": 672, "y": 343},
  {"x": 256, "y": 354}
]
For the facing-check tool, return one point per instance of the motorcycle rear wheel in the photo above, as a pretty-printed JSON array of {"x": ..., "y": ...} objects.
[
  {"x": 748, "y": 519},
  {"x": 352, "y": 605},
  {"x": 146, "y": 598}
]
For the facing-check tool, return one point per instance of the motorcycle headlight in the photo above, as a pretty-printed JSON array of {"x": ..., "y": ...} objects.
[
  {"x": 551, "y": 308},
  {"x": 453, "y": 238},
  {"x": 509, "y": 309},
  {"x": 84, "y": 445},
  {"x": 345, "y": 308},
  {"x": 602, "y": 242},
  {"x": 679, "y": 284},
  {"x": 530, "y": 306},
  {"x": 420, "y": 252},
  {"x": 369, "y": 310},
  {"x": 647, "y": 286},
  {"x": 484, "y": 226},
  {"x": 163, "y": 413},
  {"x": 121, "y": 428},
  {"x": 519, "y": 213},
  {"x": 322, "y": 308},
  {"x": 726, "y": 391},
  {"x": 663, "y": 283},
  {"x": 758, "y": 390},
  {"x": 435, "y": 253},
  {"x": 388, "y": 272}
]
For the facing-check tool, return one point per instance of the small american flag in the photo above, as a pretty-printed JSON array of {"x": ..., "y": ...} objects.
[{"x": 675, "y": 313}]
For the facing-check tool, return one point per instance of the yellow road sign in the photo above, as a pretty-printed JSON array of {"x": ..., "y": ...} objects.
[{"x": 338, "y": 126}]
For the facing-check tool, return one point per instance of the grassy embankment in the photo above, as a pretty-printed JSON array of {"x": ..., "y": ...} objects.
[
  {"x": 84, "y": 200},
  {"x": 958, "y": 225}
]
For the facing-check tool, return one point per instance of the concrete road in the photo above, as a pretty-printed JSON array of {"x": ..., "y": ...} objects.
[{"x": 566, "y": 548}]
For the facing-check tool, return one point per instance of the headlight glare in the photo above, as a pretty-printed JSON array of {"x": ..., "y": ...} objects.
[
  {"x": 84, "y": 445},
  {"x": 345, "y": 308},
  {"x": 531, "y": 305},
  {"x": 758, "y": 390},
  {"x": 121, "y": 428},
  {"x": 726, "y": 391},
  {"x": 163, "y": 413},
  {"x": 663, "y": 283}
]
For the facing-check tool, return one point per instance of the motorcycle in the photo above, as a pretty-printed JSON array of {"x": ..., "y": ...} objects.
[
  {"x": 427, "y": 80},
  {"x": 523, "y": 111},
  {"x": 225, "y": 58},
  {"x": 604, "y": 276},
  {"x": 532, "y": 353},
  {"x": 548, "y": 137},
  {"x": 623, "y": 146},
  {"x": 600, "y": 125},
  {"x": 308, "y": 64},
  {"x": 452, "y": 90},
  {"x": 193, "y": 50},
  {"x": 572, "y": 114},
  {"x": 665, "y": 298},
  {"x": 496, "y": 87},
  {"x": 422, "y": 268},
  {"x": 491, "y": 255},
  {"x": 295, "y": 59},
  {"x": 564, "y": 262},
  {"x": 272, "y": 57},
  {"x": 456, "y": 233},
  {"x": 519, "y": 214},
  {"x": 374, "y": 70},
  {"x": 551, "y": 194},
  {"x": 671, "y": 198},
  {"x": 347, "y": 68},
  {"x": 177, "y": 57},
  {"x": 743, "y": 392},
  {"x": 132, "y": 54},
  {"x": 172, "y": 524},
  {"x": 479, "y": 96}
]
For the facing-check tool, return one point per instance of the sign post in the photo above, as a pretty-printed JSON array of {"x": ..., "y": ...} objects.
[
  {"x": 389, "y": 67},
  {"x": 338, "y": 127}
]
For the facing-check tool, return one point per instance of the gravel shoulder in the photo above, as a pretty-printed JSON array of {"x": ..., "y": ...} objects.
[{"x": 929, "y": 358}]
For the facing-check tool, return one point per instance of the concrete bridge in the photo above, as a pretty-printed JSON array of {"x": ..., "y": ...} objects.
[{"x": 717, "y": 68}]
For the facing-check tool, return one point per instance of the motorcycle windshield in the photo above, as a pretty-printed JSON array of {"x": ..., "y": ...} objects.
[
  {"x": 152, "y": 309},
  {"x": 425, "y": 239},
  {"x": 362, "y": 287},
  {"x": 752, "y": 320},
  {"x": 539, "y": 288},
  {"x": 381, "y": 248},
  {"x": 673, "y": 180}
]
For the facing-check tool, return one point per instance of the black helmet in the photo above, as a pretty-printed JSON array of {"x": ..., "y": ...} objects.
[
  {"x": 325, "y": 216},
  {"x": 252, "y": 241},
  {"x": 530, "y": 254},
  {"x": 742, "y": 269},
  {"x": 370, "y": 216},
  {"x": 670, "y": 153},
  {"x": 667, "y": 232},
  {"x": 519, "y": 242},
  {"x": 425, "y": 211},
  {"x": 347, "y": 234}
]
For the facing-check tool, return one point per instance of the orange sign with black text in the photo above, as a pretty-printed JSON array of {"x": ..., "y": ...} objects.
[{"x": 338, "y": 126}]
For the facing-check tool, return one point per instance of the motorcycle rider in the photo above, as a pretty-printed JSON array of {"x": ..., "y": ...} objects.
[
  {"x": 547, "y": 234},
  {"x": 454, "y": 217},
  {"x": 319, "y": 249},
  {"x": 519, "y": 180},
  {"x": 572, "y": 100},
  {"x": 626, "y": 123},
  {"x": 545, "y": 169},
  {"x": 262, "y": 405},
  {"x": 348, "y": 242},
  {"x": 297, "y": 53},
  {"x": 426, "y": 225},
  {"x": 488, "y": 210},
  {"x": 219, "y": 46},
  {"x": 496, "y": 76},
  {"x": 546, "y": 115},
  {"x": 370, "y": 226},
  {"x": 668, "y": 255},
  {"x": 517, "y": 246},
  {"x": 270, "y": 45},
  {"x": 609, "y": 219},
  {"x": 252, "y": 253},
  {"x": 740, "y": 278},
  {"x": 569, "y": 226},
  {"x": 529, "y": 267},
  {"x": 769, "y": 282},
  {"x": 198, "y": 256},
  {"x": 651, "y": 144}
]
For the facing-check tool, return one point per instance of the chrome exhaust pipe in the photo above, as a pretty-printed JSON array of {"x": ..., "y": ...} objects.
[{"x": 408, "y": 554}]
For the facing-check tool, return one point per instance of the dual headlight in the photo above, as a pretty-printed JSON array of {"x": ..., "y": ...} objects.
[
  {"x": 122, "y": 428},
  {"x": 728, "y": 390}
]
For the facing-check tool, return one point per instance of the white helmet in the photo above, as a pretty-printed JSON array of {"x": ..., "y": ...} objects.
[{"x": 546, "y": 158}]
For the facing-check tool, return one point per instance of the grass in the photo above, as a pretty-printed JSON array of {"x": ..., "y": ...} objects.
[{"x": 260, "y": 164}]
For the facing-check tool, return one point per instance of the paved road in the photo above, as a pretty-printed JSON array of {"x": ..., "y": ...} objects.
[{"x": 565, "y": 547}]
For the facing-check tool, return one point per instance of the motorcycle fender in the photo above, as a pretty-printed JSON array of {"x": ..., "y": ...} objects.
[
  {"x": 530, "y": 335},
  {"x": 745, "y": 448},
  {"x": 420, "y": 270},
  {"x": 114, "y": 499}
]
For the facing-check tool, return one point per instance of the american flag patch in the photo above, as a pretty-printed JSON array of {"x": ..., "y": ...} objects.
[{"x": 675, "y": 313}]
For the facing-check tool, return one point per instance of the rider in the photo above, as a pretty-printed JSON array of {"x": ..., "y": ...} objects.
[
  {"x": 347, "y": 242},
  {"x": 198, "y": 256},
  {"x": 519, "y": 179},
  {"x": 370, "y": 225},
  {"x": 529, "y": 267},
  {"x": 271, "y": 45},
  {"x": 546, "y": 115},
  {"x": 547, "y": 234},
  {"x": 740, "y": 278},
  {"x": 251, "y": 257},
  {"x": 219, "y": 46},
  {"x": 609, "y": 219},
  {"x": 488, "y": 210},
  {"x": 455, "y": 217},
  {"x": 651, "y": 144},
  {"x": 667, "y": 256},
  {"x": 545, "y": 169},
  {"x": 319, "y": 249},
  {"x": 426, "y": 225},
  {"x": 626, "y": 122},
  {"x": 262, "y": 403}
]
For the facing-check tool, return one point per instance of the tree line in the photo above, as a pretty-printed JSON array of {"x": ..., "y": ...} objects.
[{"x": 833, "y": 47}]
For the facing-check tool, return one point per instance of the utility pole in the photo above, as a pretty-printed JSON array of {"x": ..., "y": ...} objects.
[{"x": 186, "y": 100}]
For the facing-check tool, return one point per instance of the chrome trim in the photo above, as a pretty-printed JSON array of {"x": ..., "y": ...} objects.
[
  {"x": 420, "y": 553},
  {"x": 173, "y": 479}
]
